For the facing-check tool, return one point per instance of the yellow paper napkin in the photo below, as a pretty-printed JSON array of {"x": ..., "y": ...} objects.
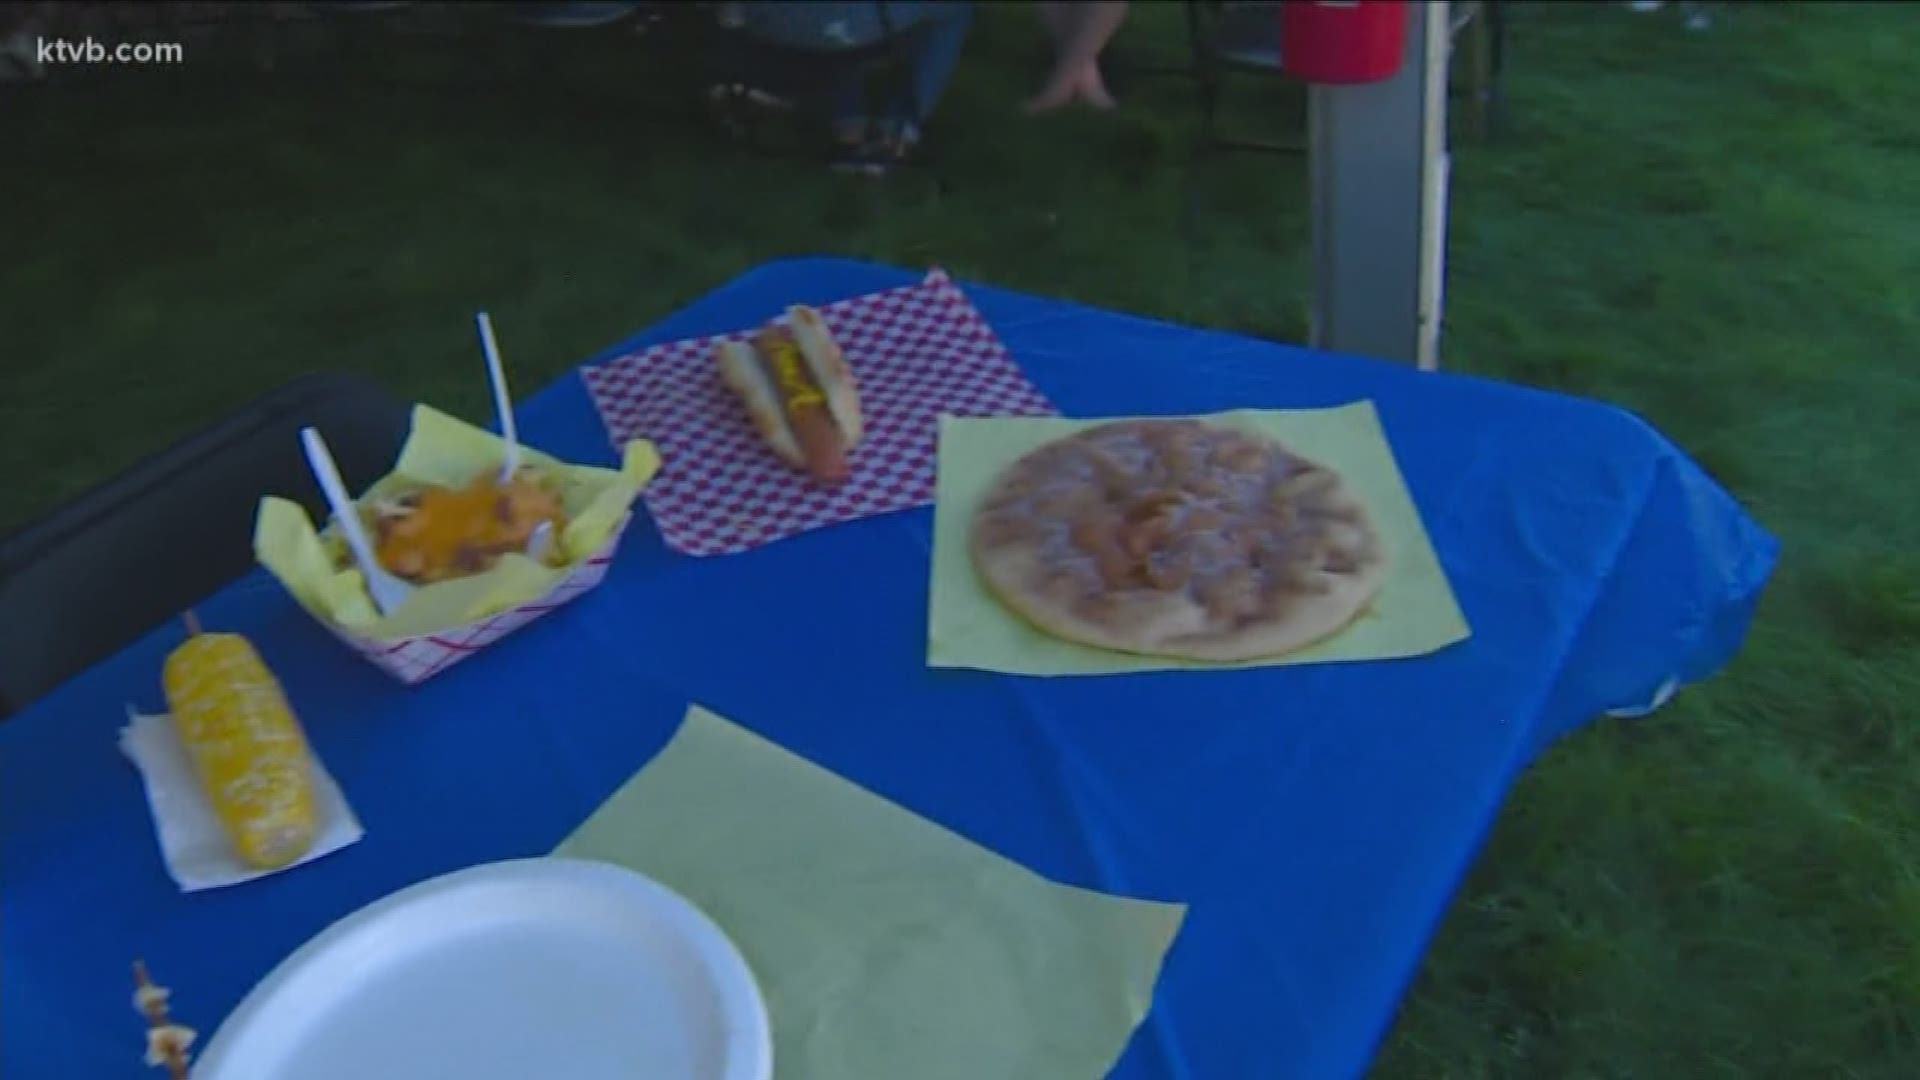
[
  {"x": 1414, "y": 613},
  {"x": 886, "y": 946},
  {"x": 445, "y": 451}
]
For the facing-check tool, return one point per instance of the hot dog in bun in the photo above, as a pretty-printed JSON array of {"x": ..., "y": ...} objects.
[{"x": 798, "y": 392}]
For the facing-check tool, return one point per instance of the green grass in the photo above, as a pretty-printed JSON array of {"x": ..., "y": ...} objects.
[{"x": 1720, "y": 231}]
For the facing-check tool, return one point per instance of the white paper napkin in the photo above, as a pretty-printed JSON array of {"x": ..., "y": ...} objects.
[{"x": 197, "y": 851}]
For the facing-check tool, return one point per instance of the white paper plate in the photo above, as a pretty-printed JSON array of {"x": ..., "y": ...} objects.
[{"x": 532, "y": 968}]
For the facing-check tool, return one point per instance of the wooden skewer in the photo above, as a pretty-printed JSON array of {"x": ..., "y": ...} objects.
[
  {"x": 192, "y": 621},
  {"x": 154, "y": 1007}
]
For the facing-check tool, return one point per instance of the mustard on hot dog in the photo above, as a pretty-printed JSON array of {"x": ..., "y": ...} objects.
[
  {"x": 798, "y": 392},
  {"x": 803, "y": 405}
]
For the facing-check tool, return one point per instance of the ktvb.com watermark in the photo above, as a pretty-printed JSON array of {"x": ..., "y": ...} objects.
[{"x": 89, "y": 51}]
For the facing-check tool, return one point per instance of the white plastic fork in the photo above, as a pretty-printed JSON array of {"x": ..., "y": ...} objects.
[
  {"x": 388, "y": 590},
  {"x": 502, "y": 403},
  {"x": 540, "y": 542}
]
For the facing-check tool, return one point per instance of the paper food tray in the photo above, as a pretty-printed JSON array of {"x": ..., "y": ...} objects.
[{"x": 415, "y": 659}]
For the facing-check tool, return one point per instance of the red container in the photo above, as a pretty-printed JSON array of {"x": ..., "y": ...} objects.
[{"x": 1342, "y": 41}]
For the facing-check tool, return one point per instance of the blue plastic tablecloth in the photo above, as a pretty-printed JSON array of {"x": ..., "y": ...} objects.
[{"x": 1317, "y": 818}]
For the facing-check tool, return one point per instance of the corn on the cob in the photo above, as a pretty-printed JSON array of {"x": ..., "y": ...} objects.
[{"x": 247, "y": 748}]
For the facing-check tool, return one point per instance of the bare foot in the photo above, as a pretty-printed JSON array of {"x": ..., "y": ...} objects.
[
  {"x": 1059, "y": 91},
  {"x": 1092, "y": 89},
  {"x": 1047, "y": 100},
  {"x": 850, "y": 132},
  {"x": 1085, "y": 86}
]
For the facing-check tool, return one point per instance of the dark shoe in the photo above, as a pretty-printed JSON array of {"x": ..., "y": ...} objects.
[
  {"x": 875, "y": 157},
  {"x": 872, "y": 158},
  {"x": 740, "y": 109}
]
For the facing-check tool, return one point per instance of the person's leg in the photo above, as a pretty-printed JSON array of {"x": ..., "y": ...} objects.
[
  {"x": 1056, "y": 16},
  {"x": 1063, "y": 81},
  {"x": 938, "y": 29},
  {"x": 934, "y": 32},
  {"x": 939, "y": 38},
  {"x": 850, "y": 121},
  {"x": 1098, "y": 25},
  {"x": 824, "y": 26},
  {"x": 1076, "y": 69}
]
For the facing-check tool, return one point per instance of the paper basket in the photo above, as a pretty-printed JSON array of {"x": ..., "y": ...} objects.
[{"x": 414, "y": 660}]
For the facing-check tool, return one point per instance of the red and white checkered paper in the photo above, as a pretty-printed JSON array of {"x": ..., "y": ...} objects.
[
  {"x": 417, "y": 659},
  {"x": 917, "y": 352}
]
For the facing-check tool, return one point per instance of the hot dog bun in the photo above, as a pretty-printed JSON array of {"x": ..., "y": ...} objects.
[
  {"x": 744, "y": 375},
  {"x": 799, "y": 393},
  {"x": 803, "y": 404},
  {"x": 830, "y": 371}
]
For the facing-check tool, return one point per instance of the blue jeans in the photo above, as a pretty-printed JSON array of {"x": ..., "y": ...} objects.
[{"x": 934, "y": 30}]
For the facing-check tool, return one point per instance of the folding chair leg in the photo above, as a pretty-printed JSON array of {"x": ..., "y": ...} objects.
[
  {"x": 1496, "y": 16},
  {"x": 1480, "y": 77},
  {"x": 1205, "y": 76},
  {"x": 266, "y": 20}
]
